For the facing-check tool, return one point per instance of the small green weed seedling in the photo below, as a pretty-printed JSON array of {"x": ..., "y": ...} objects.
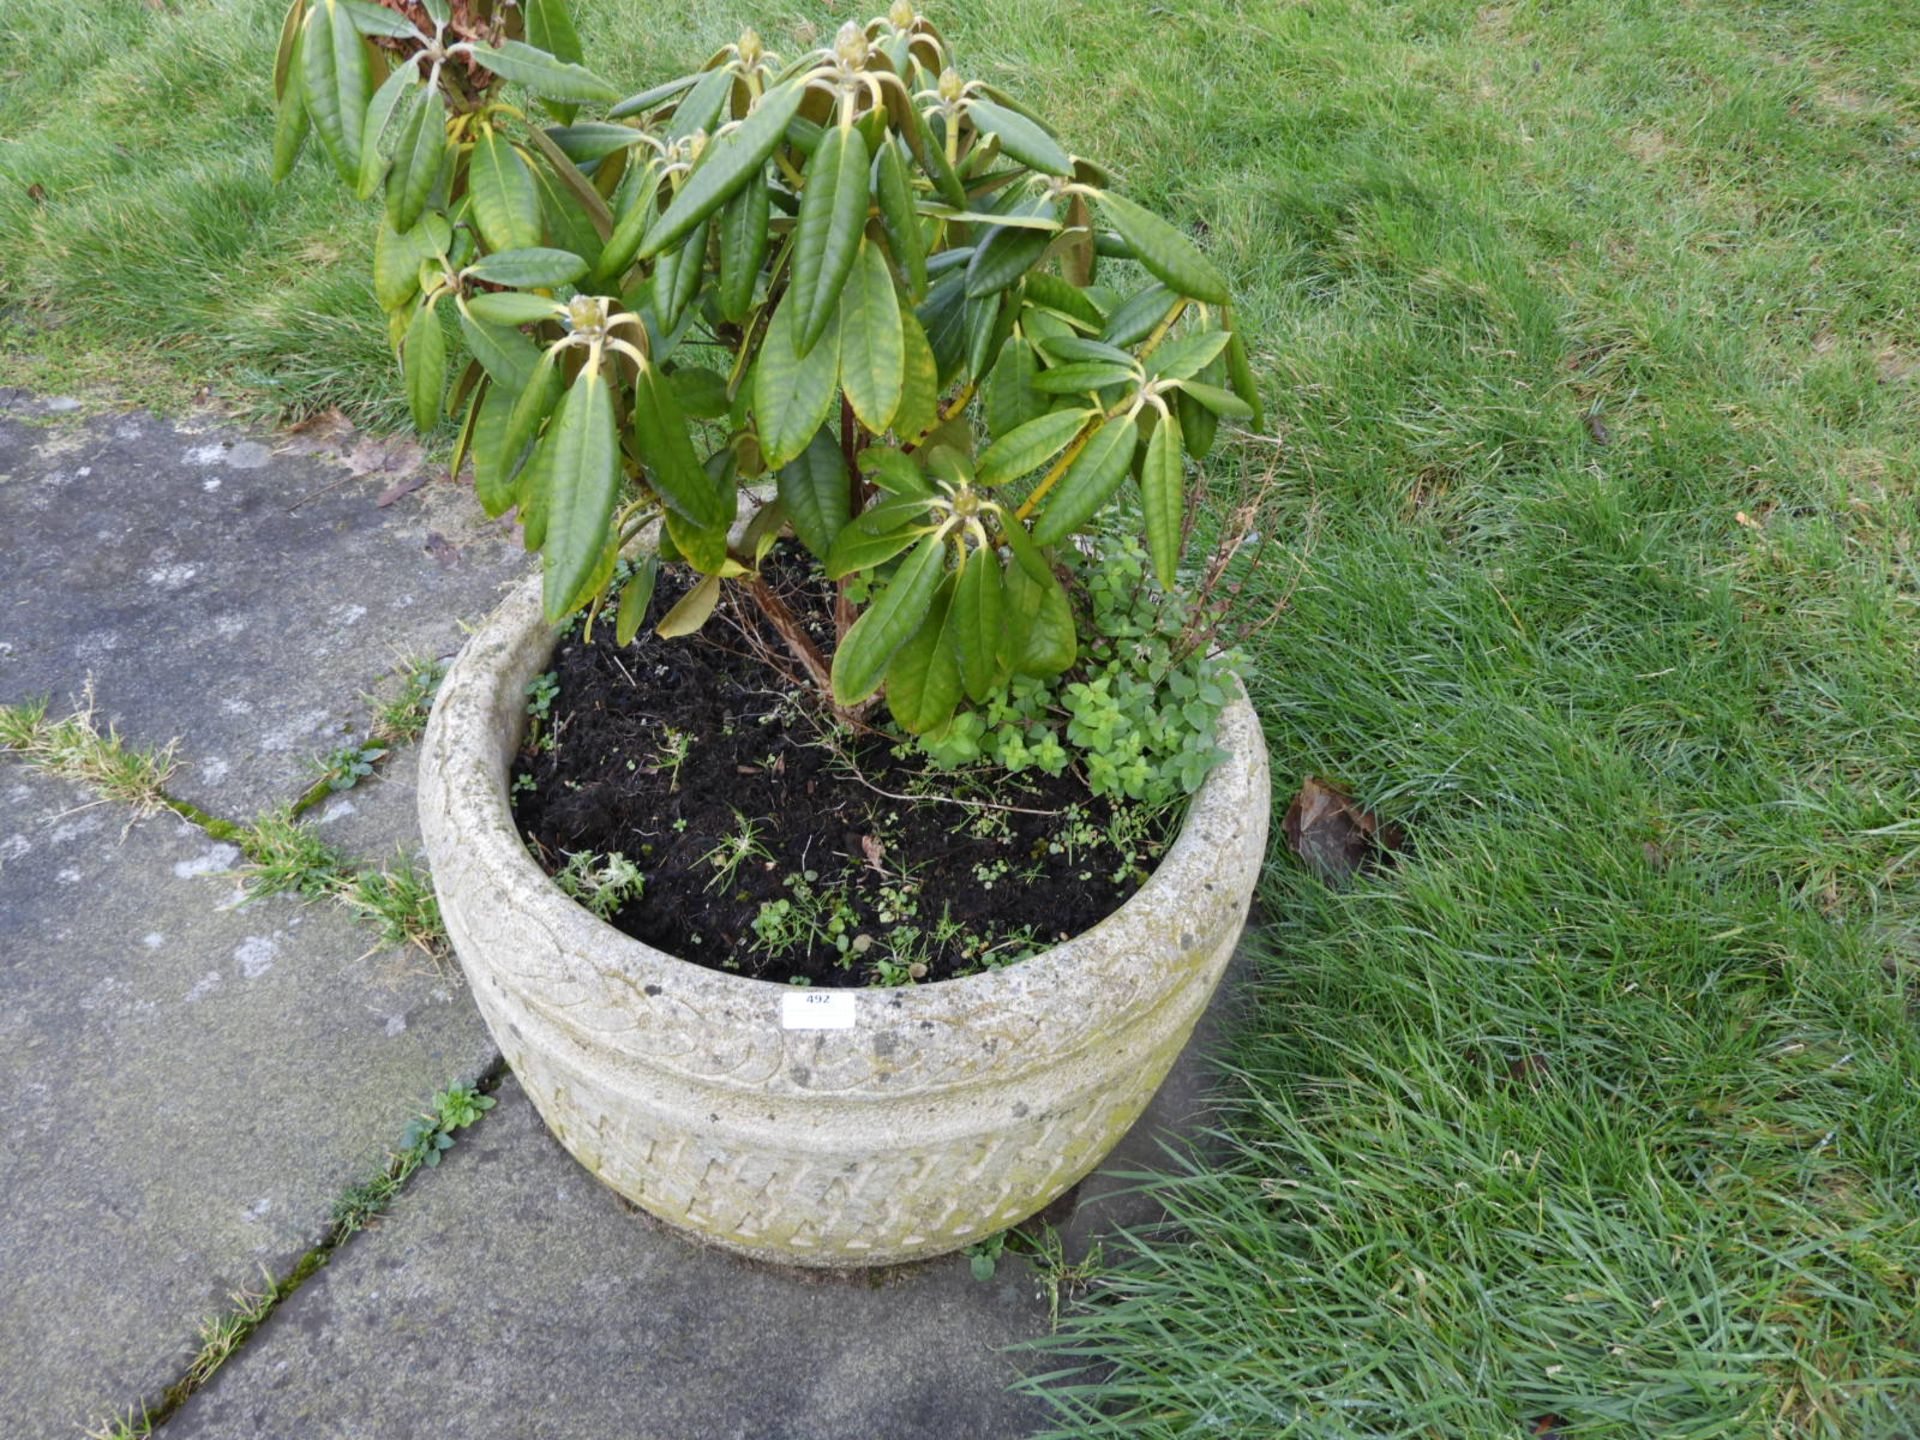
[
  {"x": 347, "y": 766},
  {"x": 602, "y": 885}
]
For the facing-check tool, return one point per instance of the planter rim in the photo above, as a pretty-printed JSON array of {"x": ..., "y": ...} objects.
[{"x": 687, "y": 1017}]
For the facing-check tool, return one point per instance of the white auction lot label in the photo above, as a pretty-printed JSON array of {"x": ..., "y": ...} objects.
[{"x": 817, "y": 1010}]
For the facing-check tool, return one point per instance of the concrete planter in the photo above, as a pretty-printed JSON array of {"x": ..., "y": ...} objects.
[{"x": 941, "y": 1114}]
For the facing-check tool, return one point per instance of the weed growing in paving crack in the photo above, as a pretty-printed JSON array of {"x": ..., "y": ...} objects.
[
  {"x": 285, "y": 857},
  {"x": 425, "y": 1140},
  {"x": 400, "y": 903},
  {"x": 74, "y": 749},
  {"x": 403, "y": 717},
  {"x": 346, "y": 767}
]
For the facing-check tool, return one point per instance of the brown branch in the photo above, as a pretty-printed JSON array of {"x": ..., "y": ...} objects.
[{"x": 792, "y": 633}]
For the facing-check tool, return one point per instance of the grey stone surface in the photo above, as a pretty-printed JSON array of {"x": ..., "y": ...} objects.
[
  {"x": 578, "y": 1316},
  {"x": 510, "y": 1294},
  {"x": 218, "y": 589},
  {"x": 376, "y": 819},
  {"x": 189, "y": 1083}
]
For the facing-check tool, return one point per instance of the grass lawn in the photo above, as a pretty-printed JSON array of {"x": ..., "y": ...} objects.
[{"x": 1589, "y": 335}]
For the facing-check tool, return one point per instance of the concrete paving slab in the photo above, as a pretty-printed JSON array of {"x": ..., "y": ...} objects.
[
  {"x": 510, "y": 1294},
  {"x": 189, "y": 1085},
  {"x": 376, "y": 819},
  {"x": 219, "y": 589}
]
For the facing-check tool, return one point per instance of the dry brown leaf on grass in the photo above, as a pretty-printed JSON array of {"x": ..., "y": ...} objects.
[{"x": 1335, "y": 835}]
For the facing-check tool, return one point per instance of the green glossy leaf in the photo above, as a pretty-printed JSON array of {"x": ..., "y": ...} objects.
[
  {"x": 1082, "y": 376},
  {"x": 533, "y": 268},
  {"x": 424, "y": 362},
  {"x": 371, "y": 19},
  {"x": 635, "y": 596},
  {"x": 727, "y": 164},
  {"x": 337, "y": 79},
  {"x": 702, "y": 546},
  {"x": 665, "y": 447},
  {"x": 493, "y": 466},
  {"x": 437, "y": 11},
  {"x": 815, "y": 488},
  {"x": 568, "y": 224},
  {"x": 397, "y": 258},
  {"x": 826, "y": 238},
  {"x": 951, "y": 462},
  {"x": 872, "y": 347},
  {"x": 699, "y": 108},
  {"x": 932, "y": 155},
  {"x": 1011, "y": 399},
  {"x": 1161, "y": 484},
  {"x": 1186, "y": 356},
  {"x": 923, "y": 682},
  {"x": 887, "y": 623},
  {"x": 989, "y": 323},
  {"x": 857, "y": 549},
  {"x": 899, "y": 219},
  {"x": 592, "y": 141},
  {"x": 583, "y": 478},
  {"x": 1027, "y": 555},
  {"x": 542, "y": 73},
  {"x": 290, "y": 120},
  {"x": 506, "y": 206},
  {"x": 1166, "y": 253},
  {"x": 1221, "y": 402},
  {"x": 1042, "y": 639},
  {"x": 1029, "y": 446},
  {"x": 919, "y": 409},
  {"x": 1134, "y": 318},
  {"x": 894, "y": 513},
  {"x": 975, "y": 622},
  {"x": 534, "y": 404},
  {"x": 1199, "y": 426},
  {"x": 943, "y": 319},
  {"x": 1025, "y": 140},
  {"x": 677, "y": 275},
  {"x": 633, "y": 210},
  {"x": 387, "y": 101},
  {"x": 550, "y": 28},
  {"x": 417, "y": 161},
  {"x": 286, "y": 56},
  {"x": 1240, "y": 374},
  {"x": 1050, "y": 292},
  {"x": 702, "y": 393},
  {"x": 792, "y": 394},
  {"x": 1096, "y": 472},
  {"x": 562, "y": 173},
  {"x": 894, "y": 472},
  {"x": 1077, "y": 349},
  {"x": 510, "y": 307},
  {"x": 743, "y": 246},
  {"x": 652, "y": 97},
  {"x": 507, "y": 355},
  {"x": 1004, "y": 254}
]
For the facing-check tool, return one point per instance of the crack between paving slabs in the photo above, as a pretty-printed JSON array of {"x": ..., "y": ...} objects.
[
  {"x": 354, "y": 1209},
  {"x": 225, "y": 1335}
]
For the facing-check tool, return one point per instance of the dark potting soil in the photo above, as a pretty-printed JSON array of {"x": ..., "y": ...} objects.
[{"x": 774, "y": 844}]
